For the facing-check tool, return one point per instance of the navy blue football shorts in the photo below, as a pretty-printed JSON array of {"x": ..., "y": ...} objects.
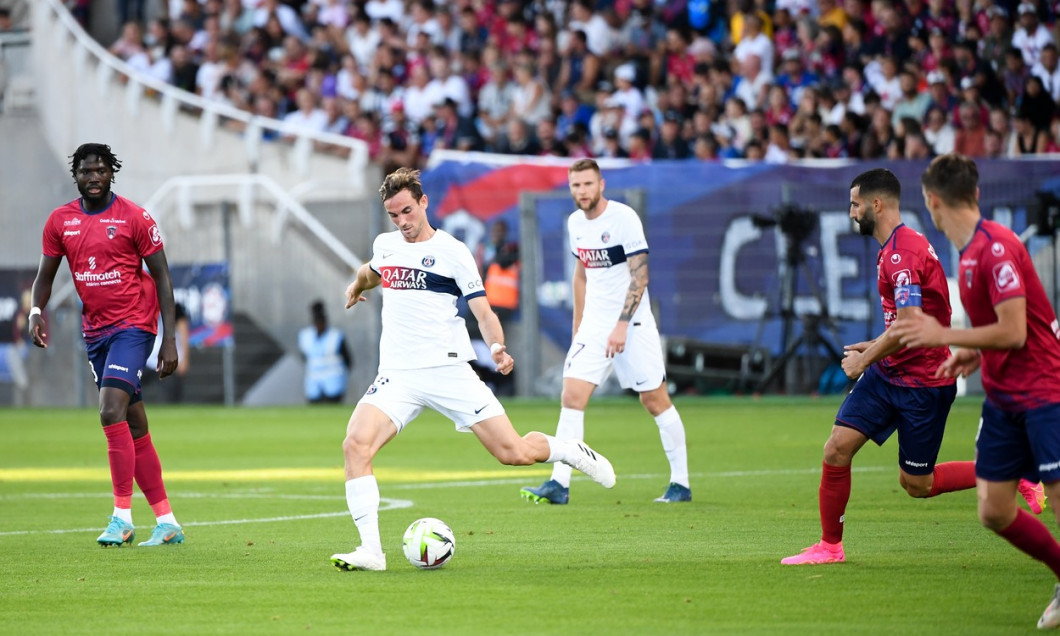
[
  {"x": 117, "y": 360},
  {"x": 877, "y": 408},
  {"x": 1015, "y": 444}
]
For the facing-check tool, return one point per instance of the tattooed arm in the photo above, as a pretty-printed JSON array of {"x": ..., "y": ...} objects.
[{"x": 638, "y": 282}]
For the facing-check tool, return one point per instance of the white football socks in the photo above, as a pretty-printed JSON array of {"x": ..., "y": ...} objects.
[
  {"x": 672, "y": 433},
  {"x": 125, "y": 514},
  {"x": 571, "y": 427},
  {"x": 362, "y": 498},
  {"x": 167, "y": 518}
]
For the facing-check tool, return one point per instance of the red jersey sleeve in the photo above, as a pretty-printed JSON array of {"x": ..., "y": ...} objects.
[
  {"x": 147, "y": 236},
  {"x": 1000, "y": 265},
  {"x": 900, "y": 271},
  {"x": 52, "y": 240}
]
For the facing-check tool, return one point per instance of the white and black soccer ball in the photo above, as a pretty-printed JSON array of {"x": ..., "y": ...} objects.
[{"x": 428, "y": 543}]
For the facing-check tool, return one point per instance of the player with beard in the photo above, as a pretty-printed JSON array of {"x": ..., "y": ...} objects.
[
  {"x": 613, "y": 327},
  {"x": 106, "y": 239},
  {"x": 897, "y": 388}
]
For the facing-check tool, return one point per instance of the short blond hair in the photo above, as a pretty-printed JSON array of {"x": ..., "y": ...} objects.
[
  {"x": 402, "y": 179},
  {"x": 585, "y": 164}
]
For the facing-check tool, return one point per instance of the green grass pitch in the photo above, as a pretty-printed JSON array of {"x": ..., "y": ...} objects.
[{"x": 260, "y": 494}]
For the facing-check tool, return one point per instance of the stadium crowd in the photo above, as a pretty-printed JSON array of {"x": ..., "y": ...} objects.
[{"x": 643, "y": 79}]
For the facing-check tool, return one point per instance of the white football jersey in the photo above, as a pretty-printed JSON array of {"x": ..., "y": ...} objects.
[
  {"x": 421, "y": 284},
  {"x": 603, "y": 245}
]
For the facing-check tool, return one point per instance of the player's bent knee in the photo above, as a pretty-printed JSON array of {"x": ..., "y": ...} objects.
[
  {"x": 919, "y": 490},
  {"x": 352, "y": 447}
]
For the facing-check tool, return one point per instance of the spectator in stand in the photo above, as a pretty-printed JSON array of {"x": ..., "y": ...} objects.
[
  {"x": 307, "y": 118},
  {"x": 1037, "y": 104},
  {"x": 752, "y": 82},
  {"x": 1000, "y": 124},
  {"x": 600, "y": 36},
  {"x": 778, "y": 106},
  {"x": 572, "y": 114},
  {"x": 640, "y": 145},
  {"x": 670, "y": 144},
  {"x": 551, "y": 143},
  {"x": 970, "y": 140},
  {"x": 912, "y": 102},
  {"x": 779, "y": 149},
  {"x": 941, "y": 95},
  {"x": 517, "y": 139},
  {"x": 288, "y": 18},
  {"x": 755, "y": 43},
  {"x": 445, "y": 84},
  {"x": 363, "y": 40},
  {"x": 893, "y": 41},
  {"x": 1032, "y": 35},
  {"x": 580, "y": 69},
  {"x": 531, "y": 101},
  {"x": 938, "y": 131},
  {"x": 611, "y": 146},
  {"x": 794, "y": 77},
  {"x": 997, "y": 39},
  {"x": 1027, "y": 139},
  {"x": 495, "y": 103},
  {"x": 1048, "y": 71}
]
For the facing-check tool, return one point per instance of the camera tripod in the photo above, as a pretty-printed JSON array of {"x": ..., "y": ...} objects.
[{"x": 811, "y": 338}]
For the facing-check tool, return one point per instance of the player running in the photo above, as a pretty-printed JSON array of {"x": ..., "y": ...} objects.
[
  {"x": 423, "y": 361},
  {"x": 106, "y": 239},
  {"x": 1015, "y": 338},
  {"x": 897, "y": 388}
]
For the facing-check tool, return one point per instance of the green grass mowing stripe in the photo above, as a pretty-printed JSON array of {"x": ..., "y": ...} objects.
[{"x": 611, "y": 562}]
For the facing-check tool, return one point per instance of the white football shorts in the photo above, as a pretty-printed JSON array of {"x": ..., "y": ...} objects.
[
  {"x": 639, "y": 367},
  {"x": 454, "y": 390}
]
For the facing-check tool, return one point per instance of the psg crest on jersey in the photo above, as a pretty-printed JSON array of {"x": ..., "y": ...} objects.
[
  {"x": 428, "y": 261},
  {"x": 111, "y": 231},
  {"x": 605, "y": 237}
]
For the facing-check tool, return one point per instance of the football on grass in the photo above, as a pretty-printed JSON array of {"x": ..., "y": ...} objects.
[{"x": 429, "y": 543}]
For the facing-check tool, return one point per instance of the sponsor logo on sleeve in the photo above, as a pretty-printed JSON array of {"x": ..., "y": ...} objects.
[
  {"x": 156, "y": 235},
  {"x": 896, "y": 258},
  {"x": 901, "y": 278},
  {"x": 1006, "y": 277},
  {"x": 997, "y": 249}
]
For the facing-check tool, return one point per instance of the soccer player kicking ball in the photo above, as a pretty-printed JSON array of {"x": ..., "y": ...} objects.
[
  {"x": 423, "y": 361},
  {"x": 613, "y": 328},
  {"x": 1015, "y": 338},
  {"x": 897, "y": 388},
  {"x": 106, "y": 239}
]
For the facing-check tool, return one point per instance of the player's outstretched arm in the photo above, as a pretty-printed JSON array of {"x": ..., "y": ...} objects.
[
  {"x": 167, "y": 352},
  {"x": 40, "y": 295},
  {"x": 492, "y": 332},
  {"x": 366, "y": 279}
]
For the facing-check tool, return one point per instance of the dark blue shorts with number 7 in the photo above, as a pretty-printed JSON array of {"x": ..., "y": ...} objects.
[
  {"x": 877, "y": 408},
  {"x": 117, "y": 359}
]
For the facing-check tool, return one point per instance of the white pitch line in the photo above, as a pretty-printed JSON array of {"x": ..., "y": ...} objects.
[{"x": 385, "y": 504}]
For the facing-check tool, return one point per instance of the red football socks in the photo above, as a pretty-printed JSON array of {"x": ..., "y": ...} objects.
[
  {"x": 952, "y": 476},
  {"x": 832, "y": 499},
  {"x": 149, "y": 475},
  {"x": 121, "y": 453},
  {"x": 1033, "y": 537}
]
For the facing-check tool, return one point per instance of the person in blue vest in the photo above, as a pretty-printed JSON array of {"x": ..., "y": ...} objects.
[{"x": 327, "y": 358}]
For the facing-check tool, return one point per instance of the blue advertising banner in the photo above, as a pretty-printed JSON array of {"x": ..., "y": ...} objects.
[
  {"x": 203, "y": 289},
  {"x": 717, "y": 254}
]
